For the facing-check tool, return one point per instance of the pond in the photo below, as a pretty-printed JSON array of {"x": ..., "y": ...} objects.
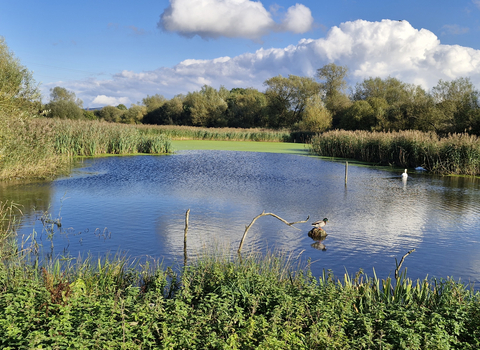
[{"x": 136, "y": 206}]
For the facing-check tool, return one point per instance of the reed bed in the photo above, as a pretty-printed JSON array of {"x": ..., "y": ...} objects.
[
  {"x": 175, "y": 132},
  {"x": 40, "y": 147},
  {"x": 457, "y": 154}
]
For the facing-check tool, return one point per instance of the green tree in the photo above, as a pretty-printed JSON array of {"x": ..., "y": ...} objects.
[
  {"x": 122, "y": 107},
  {"x": 287, "y": 98},
  {"x": 334, "y": 87},
  {"x": 396, "y": 105},
  {"x": 133, "y": 115},
  {"x": 206, "y": 107},
  {"x": 19, "y": 99},
  {"x": 174, "y": 111},
  {"x": 316, "y": 117},
  {"x": 89, "y": 115},
  {"x": 18, "y": 91},
  {"x": 359, "y": 116},
  {"x": 246, "y": 108},
  {"x": 64, "y": 104},
  {"x": 457, "y": 101},
  {"x": 153, "y": 102},
  {"x": 110, "y": 114}
]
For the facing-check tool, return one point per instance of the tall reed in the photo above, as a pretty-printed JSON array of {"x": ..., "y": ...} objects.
[
  {"x": 40, "y": 147},
  {"x": 457, "y": 154},
  {"x": 221, "y": 134}
]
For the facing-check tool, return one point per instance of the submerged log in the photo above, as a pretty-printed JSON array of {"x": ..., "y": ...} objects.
[{"x": 317, "y": 233}]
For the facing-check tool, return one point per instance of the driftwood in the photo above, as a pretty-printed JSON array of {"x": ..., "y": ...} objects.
[
  {"x": 266, "y": 214},
  {"x": 401, "y": 262}
]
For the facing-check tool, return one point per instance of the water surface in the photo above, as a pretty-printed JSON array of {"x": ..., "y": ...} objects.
[{"x": 137, "y": 205}]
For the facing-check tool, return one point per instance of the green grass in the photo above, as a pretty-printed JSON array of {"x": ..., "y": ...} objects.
[{"x": 270, "y": 147}]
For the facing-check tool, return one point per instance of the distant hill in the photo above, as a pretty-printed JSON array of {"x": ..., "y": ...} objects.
[{"x": 93, "y": 108}]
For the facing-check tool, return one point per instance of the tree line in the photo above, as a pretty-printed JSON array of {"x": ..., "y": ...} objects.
[
  {"x": 302, "y": 103},
  {"x": 298, "y": 103}
]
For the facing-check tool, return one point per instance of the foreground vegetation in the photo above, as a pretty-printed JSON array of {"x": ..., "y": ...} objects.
[
  {"x": 219, "y": 302},
  {"x": 455, "y": 154}
]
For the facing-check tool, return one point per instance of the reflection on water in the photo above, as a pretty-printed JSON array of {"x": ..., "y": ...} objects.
[{"x": 140, "y": 202}]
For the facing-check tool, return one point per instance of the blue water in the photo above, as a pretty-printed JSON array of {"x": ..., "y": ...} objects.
[{"x": 137, "y": 205}]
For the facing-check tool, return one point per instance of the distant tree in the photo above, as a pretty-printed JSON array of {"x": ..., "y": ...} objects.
[
  {"x": 153, "y": 102},
  {"x": 206, "y": 107},
  {"x": 246, "y": 108},
  {"x": 110, "y": 114},
  {"x": 153, "y": 105},
  {"x": 173, "y": 111},
  {"x": 122, "y": 107},
  {"x": 64, "y": 104},
  {"x": 359, "y": 116},
  {"x": 457, "y": 101},
  {"x": 133, "y": 115},
  {"x": 89, "y": 115},
  {"x": 287, "y": 98},
  {"x": 316, "y": 117},
  {"x": 396, "y": 105},
  {"x": 333, "y": 84}
]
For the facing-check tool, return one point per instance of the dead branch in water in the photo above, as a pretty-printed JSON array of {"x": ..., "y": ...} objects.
[
  {"x": 265, "y": 214},
  {"x": 401, "y": 262}
]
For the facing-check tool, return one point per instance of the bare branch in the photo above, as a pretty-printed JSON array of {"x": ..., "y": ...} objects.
[
  {"x": 401, "y": 262},
  {"x": 266, "y": 214}
]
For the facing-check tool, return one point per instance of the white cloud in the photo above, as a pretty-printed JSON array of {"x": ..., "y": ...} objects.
[
  {"x": 103, "y": 100},
  {"x": 368, "y": 49},
  {"x": 298, "y": 19},
  {"x": 230, "y": 18},
  {"x": 476, "y": 3}
]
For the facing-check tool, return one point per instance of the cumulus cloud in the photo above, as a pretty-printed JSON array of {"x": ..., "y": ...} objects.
[
  {"x": 368, "y": 49},
  {"x": 103, "y": 100},
  {"x": 298, "y": 19},
  {"x": 230, "y": 18}
]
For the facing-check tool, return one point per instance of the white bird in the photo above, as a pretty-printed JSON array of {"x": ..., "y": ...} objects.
[{"x": 405, "y": 175}]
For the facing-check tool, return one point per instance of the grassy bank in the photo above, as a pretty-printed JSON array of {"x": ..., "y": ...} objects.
[
  {"x": 457, "y": 154},
  {"x": 218, "y": 302},
  {"x": 40, "y": 147}
]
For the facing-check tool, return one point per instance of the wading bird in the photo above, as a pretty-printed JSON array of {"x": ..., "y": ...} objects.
[{"x": 405, "y": 175}]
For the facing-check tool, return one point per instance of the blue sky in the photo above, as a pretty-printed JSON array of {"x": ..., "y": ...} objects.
[{"x": 111, "y": 52}]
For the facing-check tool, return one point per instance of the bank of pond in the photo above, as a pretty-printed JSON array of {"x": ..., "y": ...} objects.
[{"x": 255, "y": 301}]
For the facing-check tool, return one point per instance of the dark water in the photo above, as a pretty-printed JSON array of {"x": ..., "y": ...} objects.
[{"x": 137, "y": 205}]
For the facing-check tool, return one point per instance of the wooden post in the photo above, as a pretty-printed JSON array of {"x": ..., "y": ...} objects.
[
  {"x": 187, "y": 214},
  {"x": 346, "y": 172}
]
